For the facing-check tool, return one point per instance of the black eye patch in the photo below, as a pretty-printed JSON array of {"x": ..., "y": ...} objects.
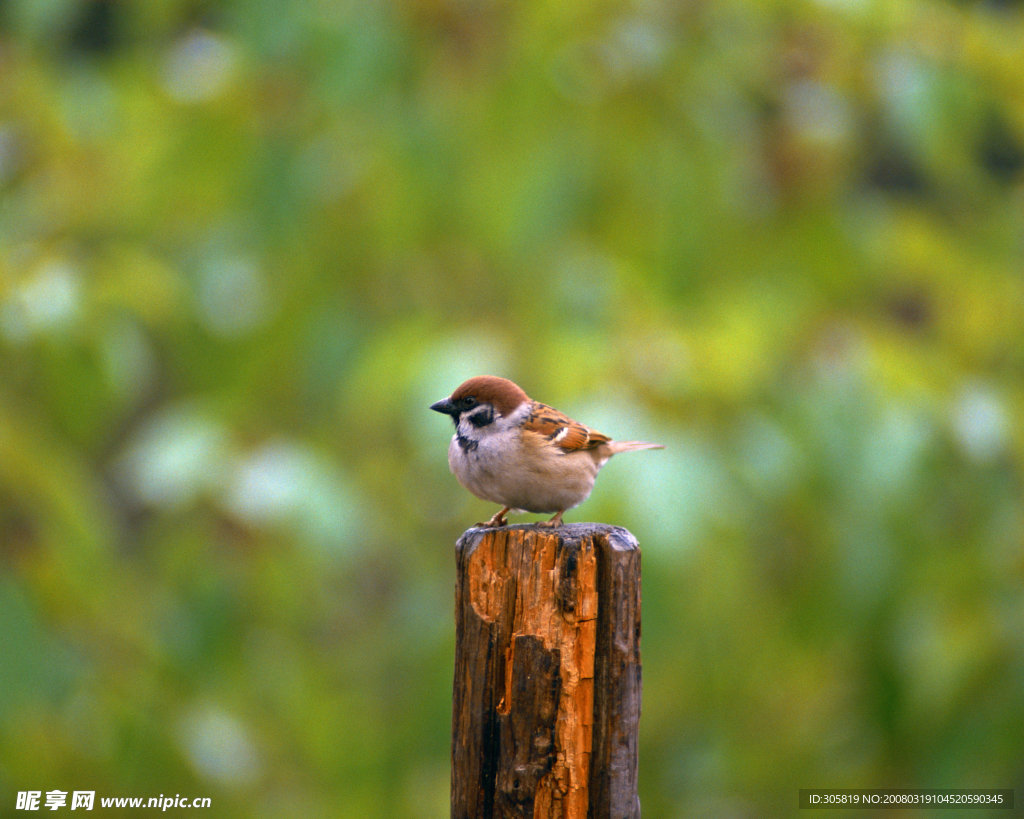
[{"x": 482, "y": 417}]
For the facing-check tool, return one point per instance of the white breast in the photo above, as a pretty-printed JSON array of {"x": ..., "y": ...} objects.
[{"x": 496, "y": 467}]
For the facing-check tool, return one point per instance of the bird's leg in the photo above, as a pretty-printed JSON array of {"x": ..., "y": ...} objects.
[
  {"x": 555, "y": 521},
  {"x": 498, "y": 519}
]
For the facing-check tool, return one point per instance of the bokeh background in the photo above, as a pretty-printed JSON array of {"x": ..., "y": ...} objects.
[{"x": 244, "y": 245}]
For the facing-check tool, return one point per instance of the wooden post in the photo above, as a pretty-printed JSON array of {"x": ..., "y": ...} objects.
[{"x": 547, "y": 673}]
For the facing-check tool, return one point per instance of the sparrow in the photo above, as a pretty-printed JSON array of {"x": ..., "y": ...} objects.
[{"x": 520, "y": 453}]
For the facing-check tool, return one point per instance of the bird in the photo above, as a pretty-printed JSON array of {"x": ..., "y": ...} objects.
[{"x": 521, "y": 454}]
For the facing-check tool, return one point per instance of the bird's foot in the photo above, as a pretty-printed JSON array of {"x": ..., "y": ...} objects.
[
  {"x": 555, "y": 521},
  {"x": 497, "y": 520}
]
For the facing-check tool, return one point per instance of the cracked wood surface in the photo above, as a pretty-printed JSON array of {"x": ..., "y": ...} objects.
[{"x": 547, "y": 673}]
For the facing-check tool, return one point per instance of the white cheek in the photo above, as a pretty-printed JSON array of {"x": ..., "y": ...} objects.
[{"x": 467, "y": 429}]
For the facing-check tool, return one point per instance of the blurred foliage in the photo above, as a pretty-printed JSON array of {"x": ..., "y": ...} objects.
[{"x": 244, "y": 245}]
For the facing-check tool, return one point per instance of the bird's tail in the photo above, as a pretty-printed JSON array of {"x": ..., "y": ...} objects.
[{"x": 628, "y": 446}]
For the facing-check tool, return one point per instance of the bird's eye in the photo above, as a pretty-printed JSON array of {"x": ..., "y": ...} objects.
[{"x": 469, "y": 402}]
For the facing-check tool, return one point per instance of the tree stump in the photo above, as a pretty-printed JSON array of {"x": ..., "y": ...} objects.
[{"x": 547, "y": 673}]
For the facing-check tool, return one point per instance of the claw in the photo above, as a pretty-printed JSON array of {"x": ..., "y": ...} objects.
[
  {"x": 555, "y": 521},
  {"x": 497, "y": 520}
]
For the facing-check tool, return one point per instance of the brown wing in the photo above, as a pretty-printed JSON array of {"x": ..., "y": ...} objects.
[{"x": 560, "y": 430}]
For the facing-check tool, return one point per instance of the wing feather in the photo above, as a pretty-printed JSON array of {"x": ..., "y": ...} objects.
[{"x": 561, "y": 431}]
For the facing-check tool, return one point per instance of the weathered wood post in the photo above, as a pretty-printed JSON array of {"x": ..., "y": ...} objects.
[{"x": 547, "y": 673}]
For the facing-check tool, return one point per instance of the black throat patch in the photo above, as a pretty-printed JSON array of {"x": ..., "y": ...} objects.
[{"x": 467, "y": 444}]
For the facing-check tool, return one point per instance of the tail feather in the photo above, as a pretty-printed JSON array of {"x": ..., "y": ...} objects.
[{"x": 629, "y": 446}]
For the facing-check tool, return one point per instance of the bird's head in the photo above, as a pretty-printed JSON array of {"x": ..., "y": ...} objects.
[{"x": 481, "y": 402}]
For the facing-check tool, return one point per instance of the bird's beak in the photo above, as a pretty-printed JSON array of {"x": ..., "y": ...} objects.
[{"x": 445, "y": 406}]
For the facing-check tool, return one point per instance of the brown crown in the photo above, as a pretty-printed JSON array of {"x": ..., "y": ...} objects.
[{"x": 501, "y": 393}]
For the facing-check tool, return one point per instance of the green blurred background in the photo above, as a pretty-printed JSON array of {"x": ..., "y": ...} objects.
[{"x": 244, "y": 245}]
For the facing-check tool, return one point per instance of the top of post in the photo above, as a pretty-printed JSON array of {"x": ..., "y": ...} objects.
[{"x": 617, "y": 538}]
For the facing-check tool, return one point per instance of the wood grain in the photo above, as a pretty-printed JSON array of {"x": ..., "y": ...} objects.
[{"x": 546, "y": 701}]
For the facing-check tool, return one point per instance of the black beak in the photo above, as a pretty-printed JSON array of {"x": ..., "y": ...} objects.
[{"x": 445, "y": 406}]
